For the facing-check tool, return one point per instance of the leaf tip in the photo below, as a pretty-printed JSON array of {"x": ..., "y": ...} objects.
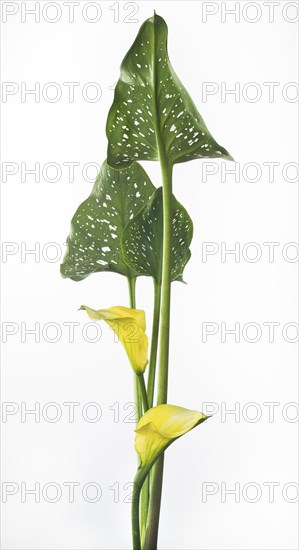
[{"x": 229, "y": 157}]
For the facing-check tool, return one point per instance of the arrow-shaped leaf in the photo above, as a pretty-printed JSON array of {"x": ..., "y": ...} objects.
[
  {"x": 152, "y": 111},
  {"x": 97, "y": 226},
  {"x": 142, "y": 239}
]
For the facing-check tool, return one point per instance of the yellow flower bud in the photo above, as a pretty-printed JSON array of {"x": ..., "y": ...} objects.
[{"x": 129, "y": 326}]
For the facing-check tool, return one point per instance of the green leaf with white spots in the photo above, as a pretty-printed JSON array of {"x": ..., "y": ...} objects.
[
  {"x": 152, "y": 112},
  {"x": 142, "y": 239},
  {"x": 96, "y": 228}
]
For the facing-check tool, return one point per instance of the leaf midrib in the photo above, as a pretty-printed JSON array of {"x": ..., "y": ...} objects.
[{"x": 160, "y": 147}]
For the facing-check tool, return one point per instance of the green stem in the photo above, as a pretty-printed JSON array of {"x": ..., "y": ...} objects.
[
  {"x": 166, "y": 282},
  {"x": 135, "y": 514},
  {"x": 140, "y": 397},
  {"x": 145, "y": 493},
  {"x": 144, "y": 502},
  {"x": 141, "y": 477},
  {"x": 137, "y": 394},
  {"x": 156, "y": 476},
  {"x": 154, "y": 344},
  {"x": 137, "y": 486},
  {"x": 132, "y": 291},
  {"x": 143, "y": 392},
  {"x": 151, "y": 538}
]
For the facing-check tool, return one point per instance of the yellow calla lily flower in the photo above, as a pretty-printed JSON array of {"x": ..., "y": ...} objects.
[
  {"x": 160, "y": 426},
  {"x": 129, "y": 326}
]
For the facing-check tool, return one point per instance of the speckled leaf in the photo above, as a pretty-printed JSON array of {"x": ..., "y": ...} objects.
[
  {"x": 142, "y": 239},
  {"x": 152, "y": 109},
  {"x": 96, "y": 228}
]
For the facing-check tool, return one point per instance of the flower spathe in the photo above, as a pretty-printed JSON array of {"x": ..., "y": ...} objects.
[
  {"x": 160, "y": 426},
  {"x": 129, "y": 326}
]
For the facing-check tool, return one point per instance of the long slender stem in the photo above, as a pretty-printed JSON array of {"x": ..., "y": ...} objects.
[
  {"x": 139, "y": 516},
  {"x": 137, "y": 486},
  {"x": 166, "y": 282},
  {"x": 143, "y": 512},
  {"x": 132, "y": 291},
  {"x": 151, "y": 537},
  {"x": 135, "y": 513},
  {"x": 145, "y": 492},
  {"x": 137, "y": 394},
  {"x": 143, "y": 392},
  {"x": 154, "y": 344}
]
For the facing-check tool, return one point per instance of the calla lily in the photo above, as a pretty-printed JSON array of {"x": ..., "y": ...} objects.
[
  {"x": 160, "y": 426},
  {"x": 129, "y": 326}
]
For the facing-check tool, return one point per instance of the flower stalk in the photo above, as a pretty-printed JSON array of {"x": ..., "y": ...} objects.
[
  {"x": 151, "y": 537},
  {"x": 154, "y": 344},
  {"x": 137, "y": 394}
]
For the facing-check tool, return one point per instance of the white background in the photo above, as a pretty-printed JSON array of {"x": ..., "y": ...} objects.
[{"x": 223, "y": 450}]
